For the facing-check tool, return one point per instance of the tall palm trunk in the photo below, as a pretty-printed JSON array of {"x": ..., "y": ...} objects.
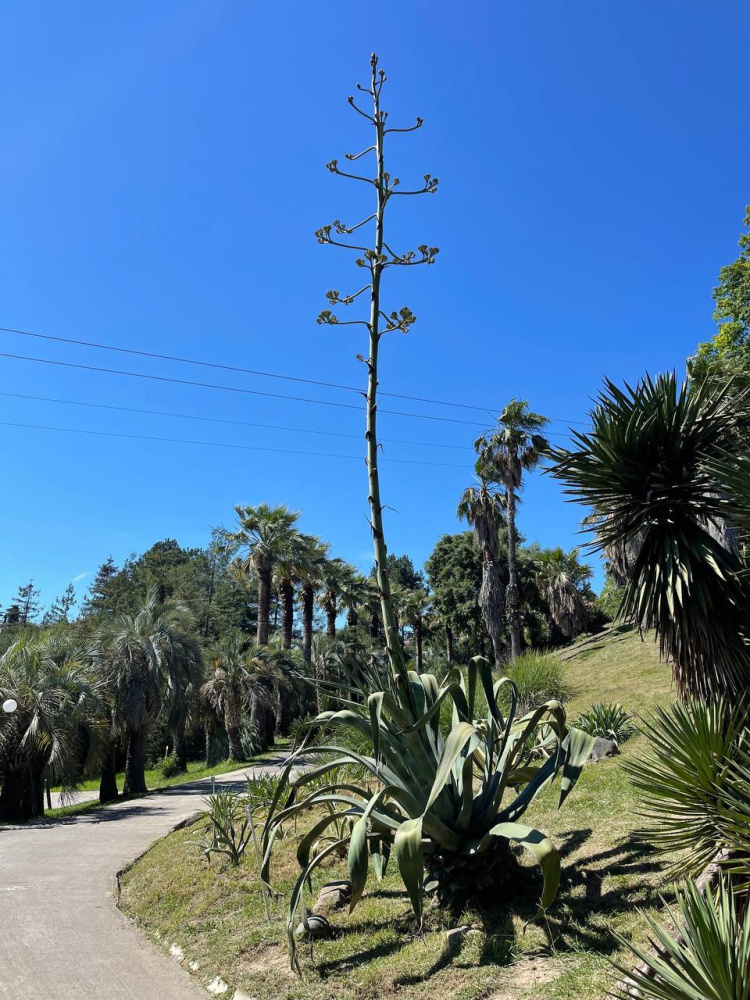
[
  {"x": 491, "y": 603},
  {"x": 180, "y": 747},
  {"x": 307, "y": 621},
  {"x": 22, "y": 795},
  {"x": 512, "y": 596},
  {"x": 264, "y": 604},
  {"x": 418, "y": 643},
  {"x": 352, "y": 617},
  {"x": 262, "y": 719},
  {"x": 283, "y": 713},
  {"x": 374, "y": 626},
  {"x": 207, "y": 731},
  {"x": 108, "y": 790},
  {"x": 135, "y": 763},
  {"x": 287, "y": 612},
  {"x": 331, "y": 614},
  {"x": 232, "y": 721}
]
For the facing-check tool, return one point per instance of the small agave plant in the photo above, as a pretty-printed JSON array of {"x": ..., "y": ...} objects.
[{"x": 447, "y": 806}]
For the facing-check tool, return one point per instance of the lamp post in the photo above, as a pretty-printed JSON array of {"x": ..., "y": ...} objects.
[{"x": 9, "y": 706}]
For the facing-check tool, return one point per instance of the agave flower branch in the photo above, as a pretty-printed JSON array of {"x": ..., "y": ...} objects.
[{"x": 380, "y": 322}]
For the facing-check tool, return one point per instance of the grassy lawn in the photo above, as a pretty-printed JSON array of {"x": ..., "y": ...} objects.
[
  {"x": 214, "y": 913},
  {"x": 155, "y": 780}
]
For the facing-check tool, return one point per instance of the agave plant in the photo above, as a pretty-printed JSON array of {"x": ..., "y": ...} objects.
[
  {"x": 706, "y": 958},
  {"x": 695, "y": 785},
  {"x": 230, "y": 831},
  {"x": 448, "y": 804},
  {"x": 610, "y": 721}
]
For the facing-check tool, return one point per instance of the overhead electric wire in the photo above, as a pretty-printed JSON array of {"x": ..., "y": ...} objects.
[
  {"x": 252, "y": 371},
  {"x": 236, "y": 423},
  {"x": 219, "y": 444},
  {"x": 232, "y": 388}
]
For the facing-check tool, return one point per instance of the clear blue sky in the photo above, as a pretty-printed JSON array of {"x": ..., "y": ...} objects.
[{"x": 163, "y": 173}]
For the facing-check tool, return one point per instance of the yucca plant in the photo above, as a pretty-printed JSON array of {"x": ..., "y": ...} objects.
[
  {"x": 610, "y": 721},
  {"x": 707, "y": 957},
  {"x": 694, "y": 782},
  {"x": 660, "y": 470},
  {"x": 448, "y": 806}
]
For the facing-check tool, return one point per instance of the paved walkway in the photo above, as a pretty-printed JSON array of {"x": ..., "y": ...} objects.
[{"x": 61, "y": 935}]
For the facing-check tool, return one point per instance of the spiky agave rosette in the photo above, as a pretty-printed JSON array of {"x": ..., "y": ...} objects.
[{"x": 435, "y": 800}]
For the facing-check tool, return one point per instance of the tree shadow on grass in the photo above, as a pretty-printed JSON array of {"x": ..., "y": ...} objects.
[{"x": 594, "y": 888}]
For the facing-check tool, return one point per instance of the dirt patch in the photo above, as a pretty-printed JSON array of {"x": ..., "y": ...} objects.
[{"x": 528, "y": 974}]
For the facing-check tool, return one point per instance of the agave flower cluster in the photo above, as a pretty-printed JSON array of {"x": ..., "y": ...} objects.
[{"x": 440, "y": 787}]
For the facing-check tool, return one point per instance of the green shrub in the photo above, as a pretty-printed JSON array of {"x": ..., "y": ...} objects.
[
  {"x": 448, "y": 807},
  {"x": 230, "y": 831},
  {"x": 538, "y": 678},
  {"x": 708, "y": 958},
  {"x": 168, "y": 766},
  {"x": 610, "y": 721},
  {"x": 694, "y": 782}
]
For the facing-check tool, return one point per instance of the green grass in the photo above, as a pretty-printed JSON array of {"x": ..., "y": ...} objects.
[{"x": 215, "y": 912}]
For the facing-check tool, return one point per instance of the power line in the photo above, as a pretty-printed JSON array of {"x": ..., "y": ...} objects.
[
  {"x": 251, "y": 371},
  {"x": 232, "y": 388},
  {"x": 236, "y": 423},
  {"x": 222, "y": 420},
  {"x": 219, "y": 444}
]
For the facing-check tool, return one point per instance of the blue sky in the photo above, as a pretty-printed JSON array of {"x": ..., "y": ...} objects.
[{"x": 162, "y": 176}]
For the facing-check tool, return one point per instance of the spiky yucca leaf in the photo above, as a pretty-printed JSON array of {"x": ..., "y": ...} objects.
[
  {"x": 657, "y": 469},
  {"x": 694, "y": 782},
  {"x": 707, "y": 959}
]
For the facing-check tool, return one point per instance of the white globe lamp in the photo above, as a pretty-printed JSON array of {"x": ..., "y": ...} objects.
[{"x": 10, "y": 705}]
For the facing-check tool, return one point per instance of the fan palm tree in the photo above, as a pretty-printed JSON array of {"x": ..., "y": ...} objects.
[
  {"x": 558, "y": 575},
  {"x": 60, "y": 725},
  {"x": 416, "y": 606},
  {"x": 338, "y": 579},
  {"x": 229, "y": 687},
  {"x": 664, "y": 463},
  {"x": 513, "y": 447},
  {"x": 263, "y": 536},
  {"x": 149, "y": 658},
  {"x": 310, "y": 570},
  {"x": 482, "y": 508},
  {"x": 290, "y": 567},
  {"x": 354, "y": 597}
]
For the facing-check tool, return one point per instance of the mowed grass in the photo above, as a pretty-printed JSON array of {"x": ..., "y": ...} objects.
[{"x": 215, "y": 914}]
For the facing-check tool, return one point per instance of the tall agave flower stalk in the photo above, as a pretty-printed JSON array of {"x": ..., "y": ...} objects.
[
  {"x": 447, "y": 807},
  {"x": 375, "y": 260}
]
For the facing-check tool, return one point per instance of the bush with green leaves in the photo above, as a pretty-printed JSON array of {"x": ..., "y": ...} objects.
[
  {"x": 448, "y": 808},
  {"x": 694, "y": 781},
  {"x": 706, "y": 957},
  {"x": 230, "y": 829},
  {"x": 168, "y": 766},
  {"x": 610, "y": 721},
  {"x": 537, "y": 678}
]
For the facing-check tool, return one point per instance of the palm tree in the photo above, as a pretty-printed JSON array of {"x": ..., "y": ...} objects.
[
  {"x": 337, "y": 577},
  {"x": 264, "y": 534},
  {"x": 354, "y": 597},
  {"x": 558, "y": 575},
  {"x": 666, "y": 464},
  {"x": 59, "y": 727},
  {"x": 229, "y": 687},
  {"x": 149, "y": 657},
  {"x": 290, "y": 567},
  {"x": 310, "y": 570},
  {"x": 416, "y": 606},
  {"x": 504, "y": 454},
  {"x": 482, "y": 508}
]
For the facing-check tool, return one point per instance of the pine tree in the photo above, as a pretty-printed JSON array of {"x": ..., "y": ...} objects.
[
  {"x": 27, "y": 600},
  {"x": 61, "y": 607}
]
